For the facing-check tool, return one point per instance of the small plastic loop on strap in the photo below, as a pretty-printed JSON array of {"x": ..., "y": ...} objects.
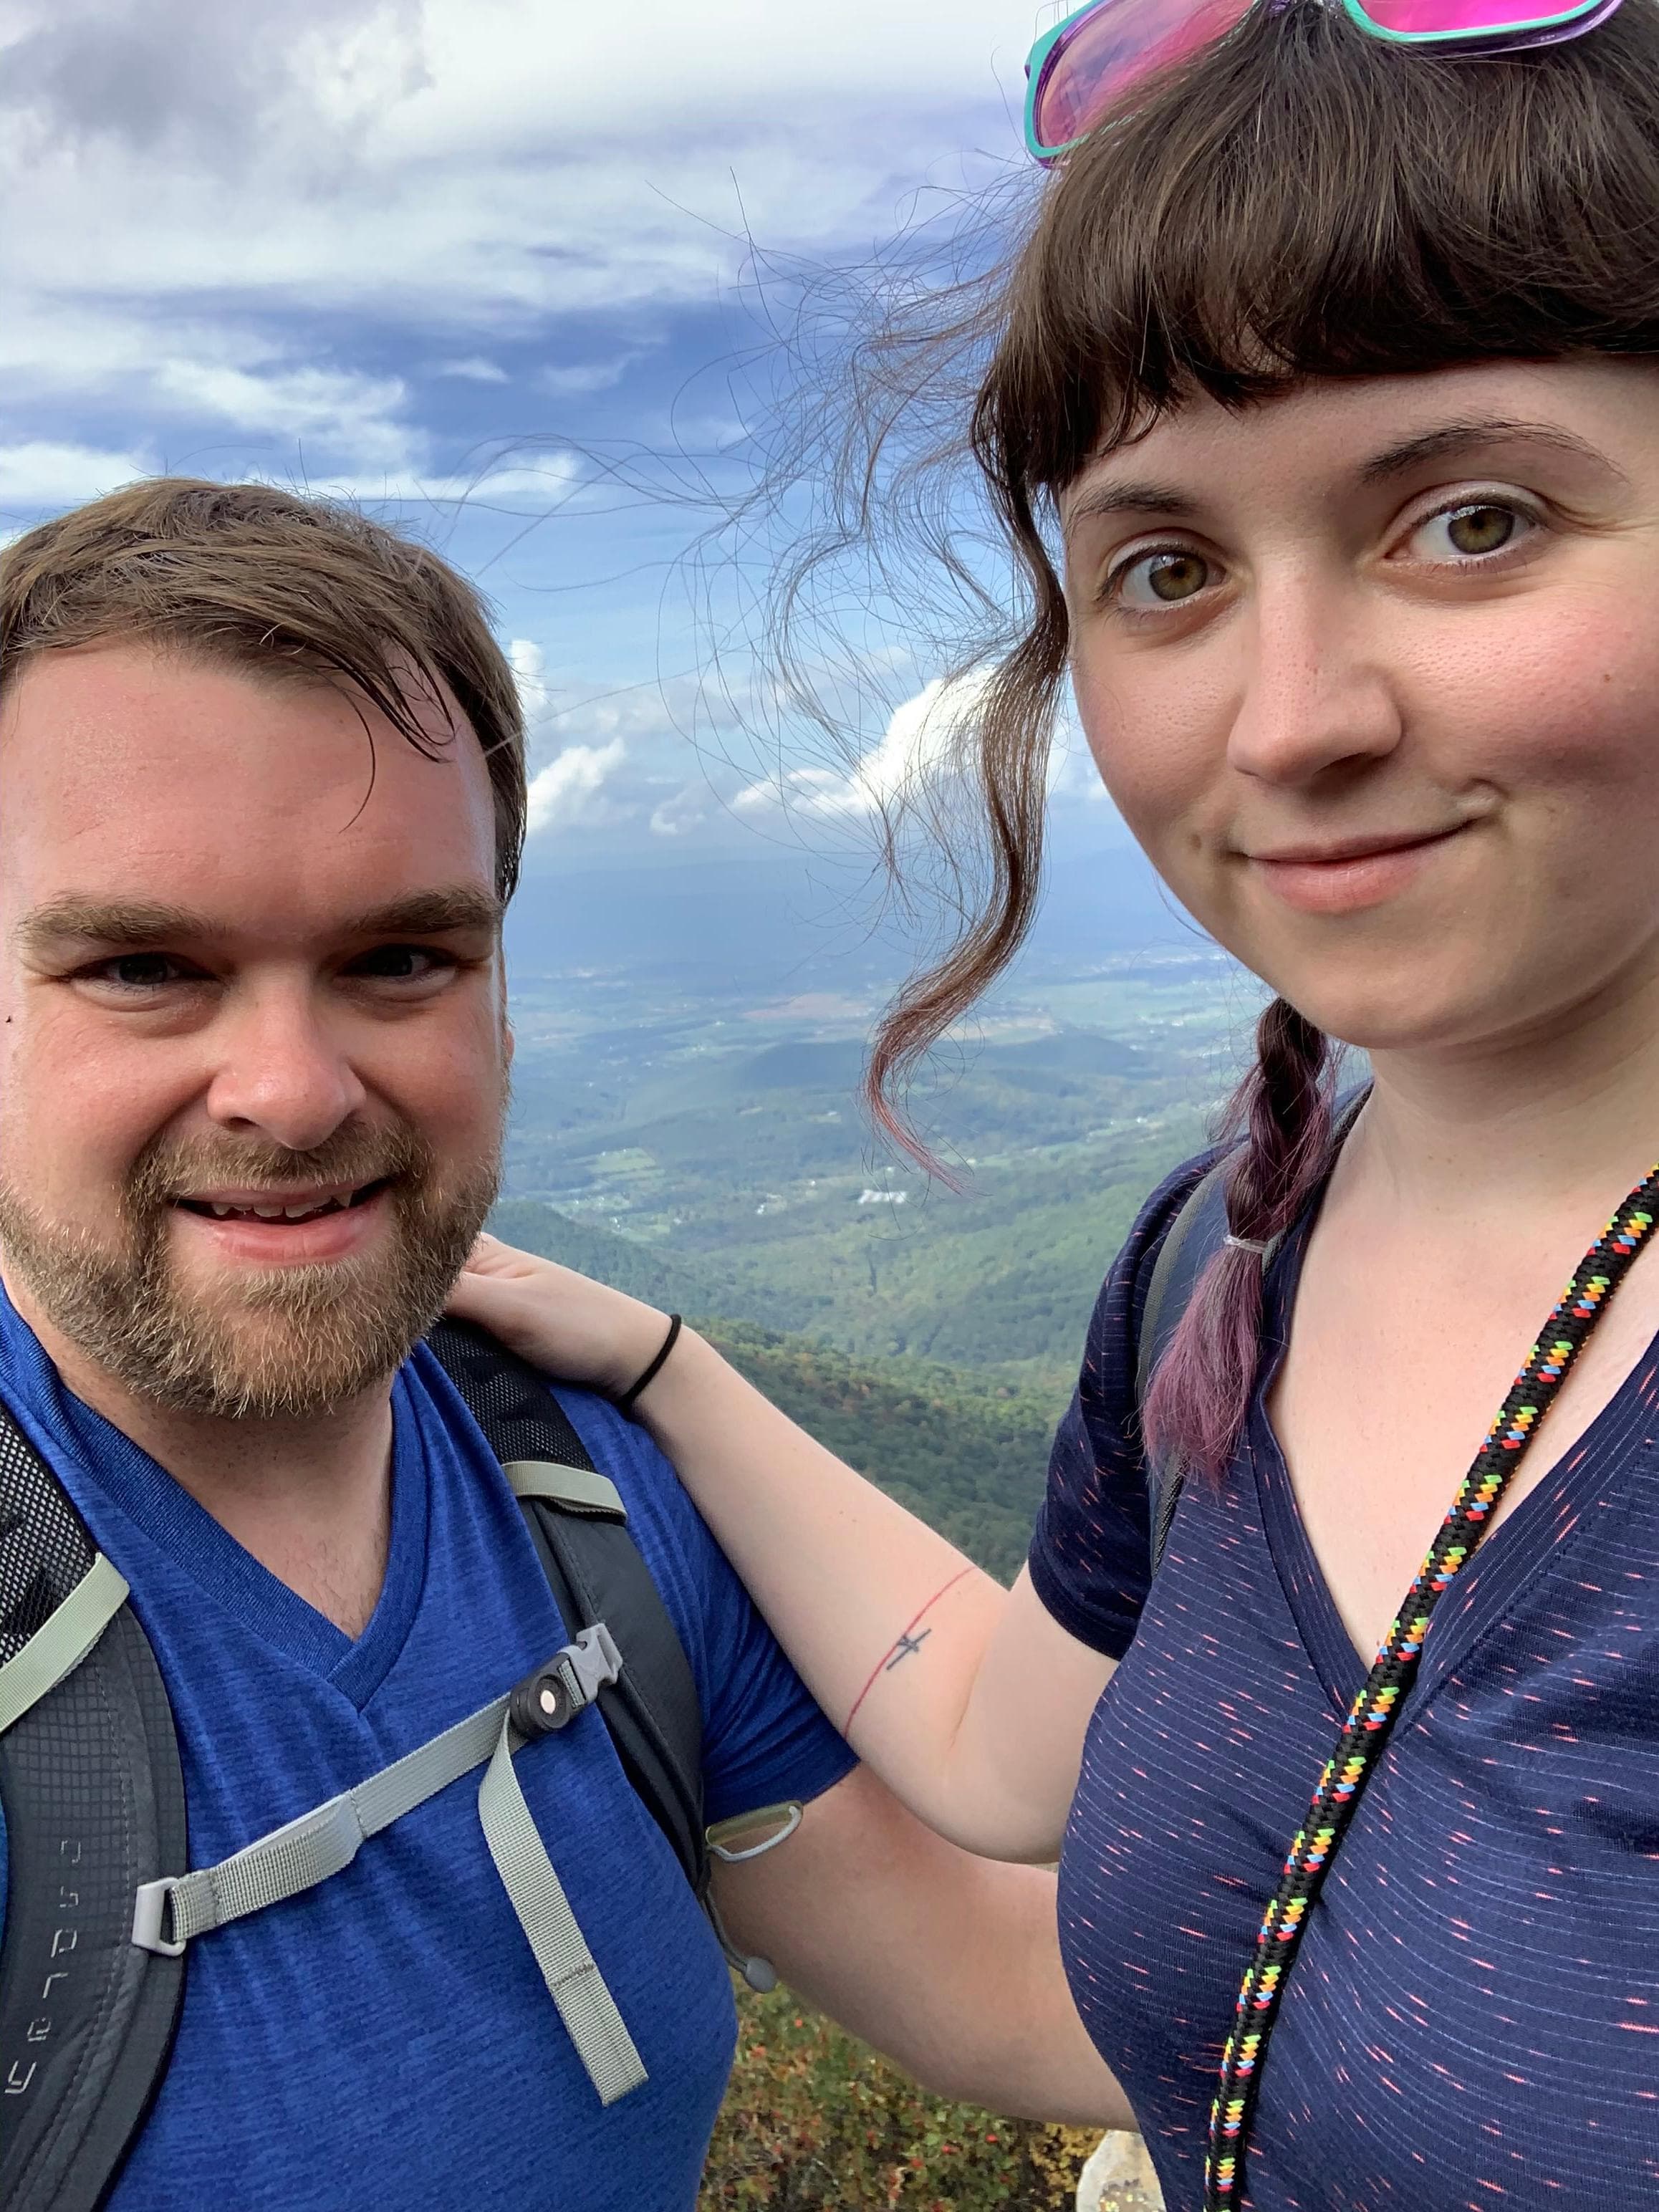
[
  {"x": 790, "y": 1815},
  {"x": 150, "y": 1913}
]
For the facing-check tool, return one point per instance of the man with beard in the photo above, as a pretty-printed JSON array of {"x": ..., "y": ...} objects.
[{"x": 262, "y": 796}]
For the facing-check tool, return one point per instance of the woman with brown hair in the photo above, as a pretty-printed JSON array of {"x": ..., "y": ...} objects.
[{"x": 1324, "y": 421}]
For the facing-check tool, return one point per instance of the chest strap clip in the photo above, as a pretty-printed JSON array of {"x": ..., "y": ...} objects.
[{"x": 552, "y": 1697}]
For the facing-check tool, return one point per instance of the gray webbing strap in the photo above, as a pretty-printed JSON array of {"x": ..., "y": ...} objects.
[
  {"x": 319, "y": 1843},
  {"x": 62, "y": 1641},
  {"x": 307, "y": 1851},
  {"x": 579, "y": 1488},
  {"x": 573, "y": 1980}
]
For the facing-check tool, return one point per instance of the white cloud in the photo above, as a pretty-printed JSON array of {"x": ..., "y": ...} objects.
[
  {"x": 264, "y": 239},
  {"x": 568, "y": 793},
  {"x": 682, "y": 812},
  {"x": 528, "y": 491},
  {"x": 171, "y": 74},
  {"x": 576, "y": 383},
  {"x": 475, "y": 369},
  {"x": 463, "y": 158},
  {"x": 529, "y": 666},
  {"x": 918, "y": 742},
  {"x": 38, "y": 475},
  {"x": 353, "y": 414}
]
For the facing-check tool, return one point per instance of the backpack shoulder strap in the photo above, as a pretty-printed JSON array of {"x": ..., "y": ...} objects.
[
  {"x": 93, "y": 1799},
  {"x": 1191, "y": 1241},
  {"x": 597, "y": 1573}
]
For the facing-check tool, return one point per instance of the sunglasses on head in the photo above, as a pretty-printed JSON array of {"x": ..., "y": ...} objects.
[{"x": 1079, "y": 71}]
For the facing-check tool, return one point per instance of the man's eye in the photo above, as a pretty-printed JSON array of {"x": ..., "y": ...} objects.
[
  {"x": 402, "y": 963},
  {"x": 138, "y": 971}
]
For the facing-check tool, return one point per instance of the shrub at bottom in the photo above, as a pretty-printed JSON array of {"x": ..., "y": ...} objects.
[{"x": 814, "y": 2120}]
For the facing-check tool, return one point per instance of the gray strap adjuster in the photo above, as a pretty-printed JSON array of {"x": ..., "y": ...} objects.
[
  {"x": 168, "y": 1913},
  {"x": 552, "y": 1697}
]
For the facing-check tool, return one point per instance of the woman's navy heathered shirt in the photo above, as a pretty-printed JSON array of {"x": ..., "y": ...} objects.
[{"x": 1474, "y": 2020}]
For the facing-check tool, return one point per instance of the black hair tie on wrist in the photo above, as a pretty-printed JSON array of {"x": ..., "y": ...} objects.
[{"x": 625, "y": 1403}]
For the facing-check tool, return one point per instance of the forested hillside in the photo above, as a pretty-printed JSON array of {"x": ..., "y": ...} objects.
[
  {"x": 966, "y": 1450},
  {"x": 660, "y": 1279},
  {"x": 928, "y": 1335}
]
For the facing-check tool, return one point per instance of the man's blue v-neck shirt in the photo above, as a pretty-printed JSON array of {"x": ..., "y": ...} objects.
[{"x": 386, "y": 2039}]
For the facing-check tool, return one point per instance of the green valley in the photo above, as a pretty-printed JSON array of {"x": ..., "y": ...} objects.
[{"x": 710, "y": 1155}]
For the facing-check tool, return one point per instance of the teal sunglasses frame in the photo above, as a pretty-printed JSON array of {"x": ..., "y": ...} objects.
[{"x": 1524, "y": 31}]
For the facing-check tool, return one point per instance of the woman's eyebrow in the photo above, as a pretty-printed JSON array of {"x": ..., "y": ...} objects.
[
  {"x": 1450, "y": 439},
  {"x": 1143, "y": 497}
]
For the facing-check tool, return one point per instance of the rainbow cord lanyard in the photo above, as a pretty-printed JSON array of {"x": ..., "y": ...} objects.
[{"x": 1374, "y": 1712}]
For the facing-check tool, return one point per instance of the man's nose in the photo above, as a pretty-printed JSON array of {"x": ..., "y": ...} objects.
[
  {"x": 282, "y": 1072},
  {"x": 1317, "y": 695}
]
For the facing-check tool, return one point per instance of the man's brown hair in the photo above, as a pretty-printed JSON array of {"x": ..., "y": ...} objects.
[{"x": 269, "y": 582}]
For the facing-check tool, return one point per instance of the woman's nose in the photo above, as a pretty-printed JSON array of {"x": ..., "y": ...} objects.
[{"x": 1315, "y": 694}]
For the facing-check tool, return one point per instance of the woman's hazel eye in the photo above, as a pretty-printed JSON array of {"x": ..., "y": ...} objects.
[
  {"x": 1481, "y": 527},
  {"x": 1163, "y": 578}
]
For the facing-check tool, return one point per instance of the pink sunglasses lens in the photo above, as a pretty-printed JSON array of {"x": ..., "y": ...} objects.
[
  {"x": 1437, "y": 18},
  {"x": 1123, "y": 41}
]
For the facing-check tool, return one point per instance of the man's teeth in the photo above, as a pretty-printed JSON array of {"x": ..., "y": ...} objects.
[{"x": 274, "y": 1212}]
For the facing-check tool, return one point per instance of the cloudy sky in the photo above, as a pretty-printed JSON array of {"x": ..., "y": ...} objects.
[{"x": 454, "y": 258}]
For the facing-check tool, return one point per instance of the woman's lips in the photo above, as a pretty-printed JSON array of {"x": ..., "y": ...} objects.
[{"x": 1345, "y": 879}]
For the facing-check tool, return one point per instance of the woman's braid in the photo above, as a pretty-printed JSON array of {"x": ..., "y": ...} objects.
[
  {"x": 1284, "y": 1107},
  {"x": 1201, "y": 1389}
]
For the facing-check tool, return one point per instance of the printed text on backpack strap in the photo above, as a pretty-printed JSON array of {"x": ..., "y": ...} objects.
[{"x": 95, "y": 1805}]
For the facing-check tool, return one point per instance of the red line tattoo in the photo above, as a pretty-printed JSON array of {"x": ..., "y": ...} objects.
[{"x": 901, "y": 1646}]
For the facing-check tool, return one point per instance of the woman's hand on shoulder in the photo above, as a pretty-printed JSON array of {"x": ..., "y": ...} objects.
[{"x": 572, "y": 1327}]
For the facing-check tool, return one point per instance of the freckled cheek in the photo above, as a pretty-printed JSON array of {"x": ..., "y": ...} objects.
[
  {"x": 1160, "y": 753},
  {"x": 1581, "y": 755}
]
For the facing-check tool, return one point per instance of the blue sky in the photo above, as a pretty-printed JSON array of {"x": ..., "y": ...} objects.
[{"x": 449, "y": 257}]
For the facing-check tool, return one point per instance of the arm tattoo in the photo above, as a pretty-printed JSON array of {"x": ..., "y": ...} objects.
[{"x": 907, "y": 1643}]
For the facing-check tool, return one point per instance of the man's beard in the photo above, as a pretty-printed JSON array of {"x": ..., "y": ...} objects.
[{"x": 288, "y": 1342}]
